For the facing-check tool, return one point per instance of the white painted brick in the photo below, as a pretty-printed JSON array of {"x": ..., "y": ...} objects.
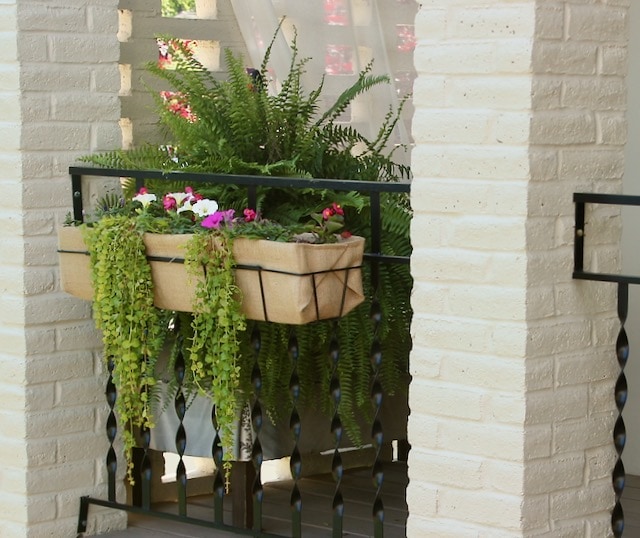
[
  {"x": 538, "y": 441},
  {"x": 512, "y": 128},
  {"x": 483, "y": 372},
  {"x": 563, "y": 128},
  {"x": 84, "y": 107},
  {"x": 449, "y": 400},
  {"x": 550, "y": 21},
  {"x": 565, "y": 403},
  {"x": 51, "y": 18},
  {"x": 453, "y": 470},
  {"x": 61, "y": 421},
  {"x": 504, "y": 21},
  {"x": 476, "y": 438},
  {"x": 565, "y": 58},
  {"x": 73, "y": 337},
  {"x": 613, "y": 60},
  {"x": 59, "y": 136},
  {"x": 87, "y": 48},
  {"x": 447, "y": 125},
  {"x": 67, "y": 365},
  {"x": 600, "y": 164},
  {"x": 581, "y": 502},
  {"x": 591, "y": 432},
  {"x": 33, "y": 48},
  {"x": 39, "y": 397},
  {"x": 603, "y": 93},
  {"x": 489, "y": 93},
  {"x": 48, "y": 480},
  {"x": 80, "y": 392},
  {"x": 612, "y": 128},
  {"x": 596, "y": 22},
  {"x": 490, "y": 509},
  {"x": 8, "y": 47}
]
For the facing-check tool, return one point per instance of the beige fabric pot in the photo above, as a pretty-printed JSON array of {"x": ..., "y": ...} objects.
[{"x": 292, "y": 283}]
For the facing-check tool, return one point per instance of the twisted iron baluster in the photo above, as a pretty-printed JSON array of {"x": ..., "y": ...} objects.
[
  {"x": 112, "y": 431},
  {"x": 619, "y": 431},
  {"x": 219, "y": 478},
  {"x": 145, "y": 467},
  {"x": 377, "y": 437},
  {"x": 336, "y": 429},
  {"x": 295, "y": 427},
  {"x": 256, "y": 419},
  {"x": 181, "y": 435}
]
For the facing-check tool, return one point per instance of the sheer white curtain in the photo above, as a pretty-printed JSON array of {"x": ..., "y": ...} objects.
[{"x": 340, "y": 37}]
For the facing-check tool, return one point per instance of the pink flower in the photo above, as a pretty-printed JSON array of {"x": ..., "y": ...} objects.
[
  {"x": 337, "y": 209},
  {"x": 327, "y": 213},
  {"x": 215, "y": 220},
  {"x": 169, "y": 202},
  {"x": 249, "y": 215}
]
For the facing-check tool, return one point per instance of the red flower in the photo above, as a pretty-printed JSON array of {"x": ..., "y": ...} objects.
[{"x": 249, "y": 215}]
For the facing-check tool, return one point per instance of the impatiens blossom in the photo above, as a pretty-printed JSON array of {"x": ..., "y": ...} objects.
[
  {"x": 249, "y": 215},
  {"x": 218, "y": 218}
]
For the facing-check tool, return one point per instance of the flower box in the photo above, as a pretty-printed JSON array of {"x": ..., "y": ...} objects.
[
  {"x": 292, "y": 283},
  {"x": 75, "y": 267}
]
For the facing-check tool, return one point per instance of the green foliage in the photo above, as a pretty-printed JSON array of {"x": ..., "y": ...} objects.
[
  {"x": 239, "y": 126},
  {"x": 171, "y": 8},
  {"x": 133, "y": 330},
  {"x": 217, "y": 323}
]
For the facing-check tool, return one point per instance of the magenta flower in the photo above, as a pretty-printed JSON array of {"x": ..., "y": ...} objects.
[{"x": 217, "y": 219}]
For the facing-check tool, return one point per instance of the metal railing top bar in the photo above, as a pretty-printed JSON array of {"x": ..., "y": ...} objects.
[
  {"x": 372, "y": 188},
  {"x": 263, "y": 181},
  {"x": 581, "y": 199},
  {"x": 601, "y": 198}
]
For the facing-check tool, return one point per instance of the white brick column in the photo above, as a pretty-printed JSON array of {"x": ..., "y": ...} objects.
[
  {"x": 59, "y": 86},
  {"x": 518, "y": 104}
]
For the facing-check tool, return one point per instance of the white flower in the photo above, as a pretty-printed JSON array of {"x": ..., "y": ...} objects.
[
  {"x": 179, "y": 197},
  {"x": 204, "y": 207},
  {"x": 145, "y": 198}
]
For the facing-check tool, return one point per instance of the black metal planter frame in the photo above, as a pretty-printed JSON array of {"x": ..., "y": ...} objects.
[
  {"x": 251, "y": 477},
  {"x": 622, "y": 342}
]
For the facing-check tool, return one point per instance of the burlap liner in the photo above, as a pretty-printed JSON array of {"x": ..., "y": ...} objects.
[{"x": 293, "y": 283}]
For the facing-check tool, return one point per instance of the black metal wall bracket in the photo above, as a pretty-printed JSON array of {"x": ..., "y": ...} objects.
[{"x": 622, "y": 342}]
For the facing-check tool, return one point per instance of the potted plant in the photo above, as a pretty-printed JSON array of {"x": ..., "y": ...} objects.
[{"x": 238, "y": 126}]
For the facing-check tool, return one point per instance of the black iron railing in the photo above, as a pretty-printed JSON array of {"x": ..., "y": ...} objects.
[
  {"x": 247, "y": 478},
  {"x": 622, "y": 342}
]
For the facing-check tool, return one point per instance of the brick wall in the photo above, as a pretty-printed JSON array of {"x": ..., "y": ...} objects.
[
  {"x": 59, "y": 87},
  {"x": 518, "y": 105}
]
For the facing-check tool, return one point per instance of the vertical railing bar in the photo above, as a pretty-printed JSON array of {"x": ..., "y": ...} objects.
[
  {"x": 257, "y": 491},
  {"x": 295, "y": 426},
  {"x": 145, "y": 468},
  {"x": 376, "y": 222},
  {"x": 337, "y": 468},
  {"x": 76, "y": 195},
  {"x": 252, "y": 197},
  {"x": 218, "y": 478},
  {"x": 112, "y": 431},
  {"x": 181, "y": 435},
  {"x": 620, "y": 393},
  {"x": 578, "y": 246}
]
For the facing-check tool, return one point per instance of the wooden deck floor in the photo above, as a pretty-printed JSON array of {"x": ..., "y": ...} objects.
[{"x": 317, "y": 494}]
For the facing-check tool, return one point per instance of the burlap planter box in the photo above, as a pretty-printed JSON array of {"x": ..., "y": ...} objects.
[
  {"x": 75, "y": 268},
  {"x": 292, "y": 283}
]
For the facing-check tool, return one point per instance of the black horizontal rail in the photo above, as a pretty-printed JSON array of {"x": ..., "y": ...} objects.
[{"x": 373, "y": 188}]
